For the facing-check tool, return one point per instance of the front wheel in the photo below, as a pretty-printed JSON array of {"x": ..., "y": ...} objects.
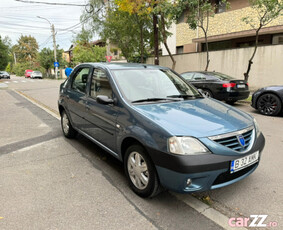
[
  {"x": 66, "y": 125},
  {"x": 269, "y": 104},
  {"x": 141, "y": 172}
]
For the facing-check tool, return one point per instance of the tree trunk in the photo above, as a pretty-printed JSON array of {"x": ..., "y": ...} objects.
[
  {"x": 155, "y": 33},
  {"x": 207, "y": 51},
  {"x": 246, "y": 75},
  {"x": 165, "y": 42}
]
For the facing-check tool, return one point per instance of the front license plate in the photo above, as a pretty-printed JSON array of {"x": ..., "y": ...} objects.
[
  {"x": 241, "y": 86},
  {"x": 244, "y": 162}
]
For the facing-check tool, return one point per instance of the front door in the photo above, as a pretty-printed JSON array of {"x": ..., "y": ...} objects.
[
  {"x": 76, "y": 95},
  {"x": 101, "y": 118}
]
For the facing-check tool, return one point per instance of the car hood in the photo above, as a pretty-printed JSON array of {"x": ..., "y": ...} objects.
[{"x": 198, "y": 118}]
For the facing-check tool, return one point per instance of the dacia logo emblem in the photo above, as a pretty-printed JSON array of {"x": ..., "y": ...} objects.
[{"x": 241, "y": 140}]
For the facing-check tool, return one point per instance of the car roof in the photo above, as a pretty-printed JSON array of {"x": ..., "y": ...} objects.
[
  {"x": 203, "y": 72},
  {"x": 116, "y": 66}
]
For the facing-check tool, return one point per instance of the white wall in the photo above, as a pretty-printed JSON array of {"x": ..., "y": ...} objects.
[
  {"x": 267, "y": 68},
  {"x": 171, "y": 41}
]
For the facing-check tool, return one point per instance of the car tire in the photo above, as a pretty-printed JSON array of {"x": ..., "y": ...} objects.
[
  {"x": 66, "y": 126},
  {"x": 269, "y": 104},
  {"x": 207, "y": 93},
  {"x": 141, "y": 172}
]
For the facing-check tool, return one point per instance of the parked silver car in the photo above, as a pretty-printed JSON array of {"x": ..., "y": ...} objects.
[{"x": 36, "y": 74}]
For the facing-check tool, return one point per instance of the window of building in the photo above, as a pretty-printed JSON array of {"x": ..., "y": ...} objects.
[
  {"x": 180, "y": 49},
  {"x": 220, "y": 7}
]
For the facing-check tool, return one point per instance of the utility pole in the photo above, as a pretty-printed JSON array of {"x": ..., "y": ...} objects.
[
  {"x": 55, "y": 53},
  {"x": 54, "y": 44},
  {"x": 107, "y": 40}
]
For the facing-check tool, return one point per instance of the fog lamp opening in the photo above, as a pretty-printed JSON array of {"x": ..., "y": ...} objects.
[{"x": 189, "y": 182}]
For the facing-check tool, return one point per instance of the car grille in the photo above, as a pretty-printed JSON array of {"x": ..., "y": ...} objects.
[{"x": 231, "y": 140}]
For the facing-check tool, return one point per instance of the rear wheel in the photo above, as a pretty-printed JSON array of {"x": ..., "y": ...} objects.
[
  {"x": 207, "y": 93},
  {"x": 141, "y": 172},
  {"x": 269, "y": 104},
  {"x": 66, "y": 125}
]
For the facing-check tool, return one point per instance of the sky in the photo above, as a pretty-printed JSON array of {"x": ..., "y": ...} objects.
[{"x": 18, "y": 18}]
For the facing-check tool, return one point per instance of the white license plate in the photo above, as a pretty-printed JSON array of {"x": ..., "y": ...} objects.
[
  {"x": 244, "y": 162},
  {"x": 241, "y": 86}
]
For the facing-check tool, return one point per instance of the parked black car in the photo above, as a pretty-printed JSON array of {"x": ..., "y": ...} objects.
[
  {"x": 268, "y": 100},
  {"x": 218, "y": 85},
  {"x": 4, "y": 74}
]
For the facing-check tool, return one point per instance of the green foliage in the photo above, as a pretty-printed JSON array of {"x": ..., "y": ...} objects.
[
  {"x": 8, "y": 68},
  {"x": 88, "y": 54},
  {"x": 26, "y": 49},
  {"x": 84, "y": 37},
  {"x": 267, "y": 11},
  {"x": 127, "y": 36},
  {"x": 4, "y": 54},
  {"x": 19, "y": 68},
  {"x": 46, "y": 58}
]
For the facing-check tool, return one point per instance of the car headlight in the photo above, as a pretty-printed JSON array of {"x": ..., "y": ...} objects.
[
  {"x": 186, "y": 146},
  {"x": 256, "y": 127}
]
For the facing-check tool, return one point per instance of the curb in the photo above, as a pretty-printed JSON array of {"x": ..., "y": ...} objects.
[
  {"x": 46, "y": 108},
  {"x": 204, "y": 209}
]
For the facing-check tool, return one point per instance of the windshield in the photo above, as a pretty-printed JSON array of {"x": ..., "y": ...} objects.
[
  {"x": 37, "y": 72},
  {"x": 141, "y": 84}
]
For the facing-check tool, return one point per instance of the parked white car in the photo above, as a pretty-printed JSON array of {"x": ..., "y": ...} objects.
[{"x": 36, "y": 74}]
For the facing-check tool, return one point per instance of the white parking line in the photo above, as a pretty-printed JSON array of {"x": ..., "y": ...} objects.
[
  {"x": 23, "y": 81},
  {"x": 7, "y": 82},
  {"x": 15, "y": 81}
]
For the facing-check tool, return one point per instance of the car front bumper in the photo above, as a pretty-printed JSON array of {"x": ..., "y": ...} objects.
[{"x": 209, "y": 171}]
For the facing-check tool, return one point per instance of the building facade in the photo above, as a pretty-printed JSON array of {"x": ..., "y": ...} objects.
[{"x": 226, "y": 31}]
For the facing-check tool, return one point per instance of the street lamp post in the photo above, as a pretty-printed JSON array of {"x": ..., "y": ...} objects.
[{"x": 54, "y": 43}]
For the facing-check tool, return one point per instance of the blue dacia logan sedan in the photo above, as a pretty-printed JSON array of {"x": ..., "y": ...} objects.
[{"x": 163, "y": 130}]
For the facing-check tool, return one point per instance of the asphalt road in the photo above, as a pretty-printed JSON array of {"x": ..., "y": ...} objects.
[{"x": 85, "y": 181}]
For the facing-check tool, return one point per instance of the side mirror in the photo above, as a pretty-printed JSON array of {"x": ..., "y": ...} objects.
[{"x": 105, "y": 100}]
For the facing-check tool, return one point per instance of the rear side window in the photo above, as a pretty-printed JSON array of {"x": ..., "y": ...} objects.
[
  {"x": 188, "y": 76},
  {"x": 100, "y": 84},
  {"x": 80, "y": 80}
]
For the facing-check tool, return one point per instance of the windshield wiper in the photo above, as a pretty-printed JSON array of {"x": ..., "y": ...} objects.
[
  {"x": 155, "y": 99},
  {"x": 184, "y": 96}
]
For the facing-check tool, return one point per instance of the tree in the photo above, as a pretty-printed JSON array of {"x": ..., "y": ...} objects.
[
  {"x": 162, "y": 8},
  {"x": 4, "y": 53},
  {"x": 199, "y": 12},
  {"x": 26, "y": 50},
  {"x": 46, "y": 58},
  {"x": 132, "y": 38},
  {"x": 267, "y": 11},
  {"x": 83, "y": 53},
  {"x": 84, "y": 37}
]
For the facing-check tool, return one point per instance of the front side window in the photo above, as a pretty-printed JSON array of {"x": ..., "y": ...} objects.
[
  {"x": 139, "y": 84},
  {"x": 80, "y": 80},
  {"x": 100, "y": 84}
]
